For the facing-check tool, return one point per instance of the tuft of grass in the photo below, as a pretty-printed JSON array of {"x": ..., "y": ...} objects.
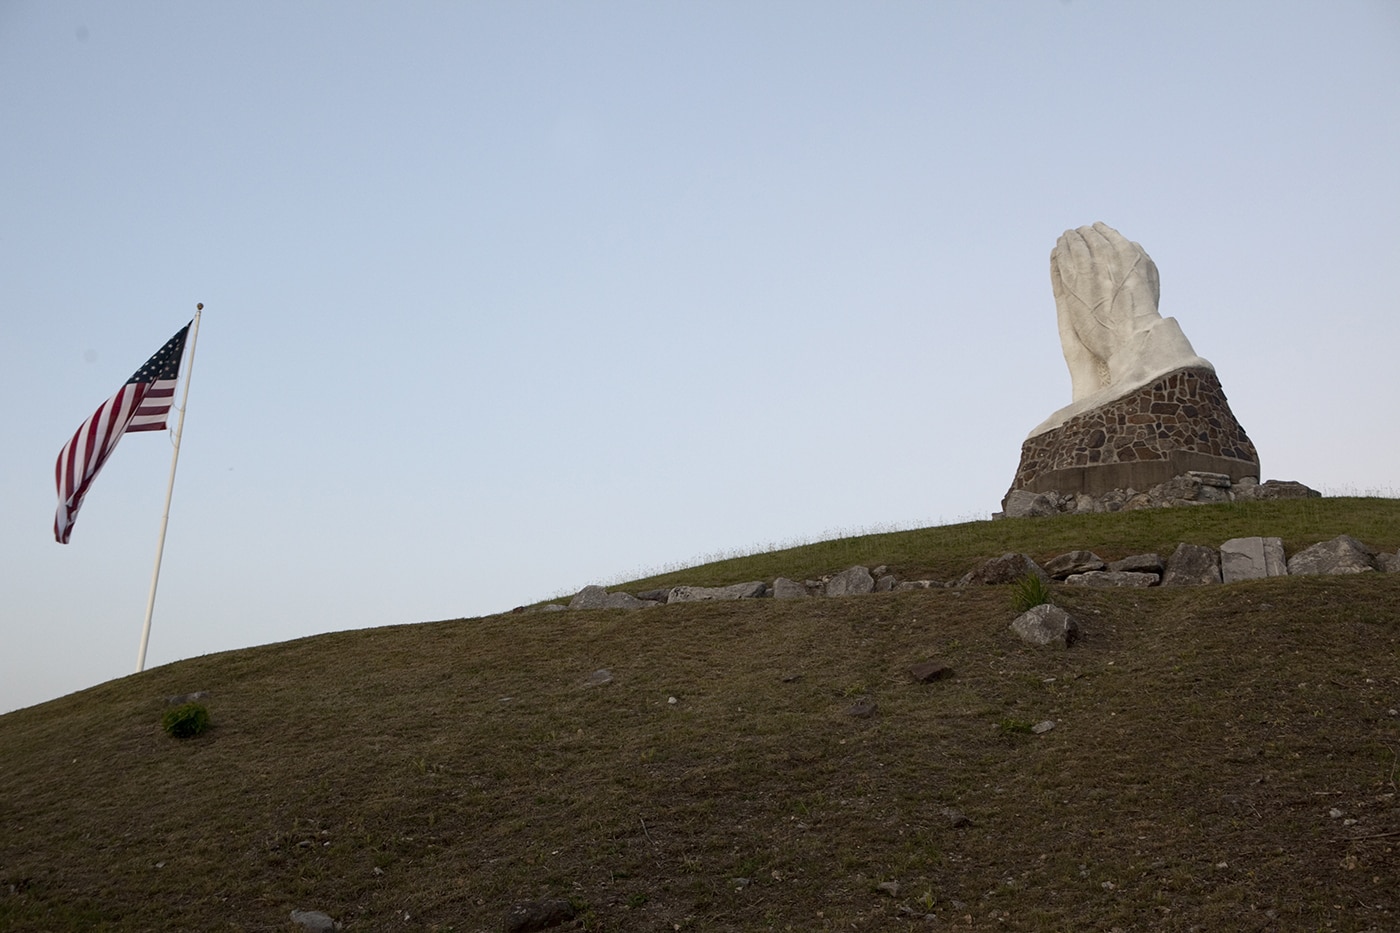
[
  {"x": 1028, "y": 592},
  {"x": 185, "y": 721}
]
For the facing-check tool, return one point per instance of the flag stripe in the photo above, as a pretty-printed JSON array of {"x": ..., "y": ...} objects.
[{"x": 142, "y": 404}]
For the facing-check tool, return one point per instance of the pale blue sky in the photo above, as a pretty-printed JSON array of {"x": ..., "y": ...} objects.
[{"x": 507, "y": 298}]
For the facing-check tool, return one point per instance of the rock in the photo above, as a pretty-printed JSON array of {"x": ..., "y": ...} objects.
[
  {"x": 1343, "y": 554},
  {"x": 529, "y": 916},
  {"x": 183, "y": 698},
  {"x": 1022, "y": 503},
  {"x": 654, "y": 596},
  {"x": 1251, "y": 559},
  {"x": 1389, "y": 562},
  {"x": 918, "y": 585},
  {"x": 1046, "y": 625},
  {"x": 1192, "y": 565},
  {"x": 1140, "y": 563},
  {"x": 1112, "y": 578},
  {"x": 888, "y": 887},
  {"x": 1041, "y": 728},
  {"x": 926, "y": 672},
  {"x": 600, "y": 677},
  {"x": 1074, "y": 562},
  {"x": 856, "y": 581},
  {"x": 1274, "y": 489},
  {"x": 313, "y": 920},
  {"x": 700, "y": 594},
  {"x": 863, "y": 708},
  {"x": 783, "y": 588},
  {"x": 1008, "y": 568},
  {"x": 885, "y": 583},
  {"x": 596, "y": 597}
]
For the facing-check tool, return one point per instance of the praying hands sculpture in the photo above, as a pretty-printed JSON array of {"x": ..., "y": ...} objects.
[{"x": 1114, "y": 340}]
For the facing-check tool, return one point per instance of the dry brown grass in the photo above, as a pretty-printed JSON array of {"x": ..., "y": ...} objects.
[{"x": 423, "y": 777}]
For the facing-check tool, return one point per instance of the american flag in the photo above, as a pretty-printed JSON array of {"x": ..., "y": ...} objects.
[{"x": 140, "y": 405}]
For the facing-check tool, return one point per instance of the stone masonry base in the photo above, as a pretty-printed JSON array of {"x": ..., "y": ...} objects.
[{"x": 1180, "y": 423}]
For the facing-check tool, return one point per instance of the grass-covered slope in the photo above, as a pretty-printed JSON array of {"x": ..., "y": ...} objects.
[{"x": 1224, "y": 758}]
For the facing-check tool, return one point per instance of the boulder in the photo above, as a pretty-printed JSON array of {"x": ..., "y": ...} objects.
[
  {"x": 1140, "y": 563},
  {"x": 1112, "y": 578},
  {"x": 1192, "y": 565},
  {"x": 700, "y": 594},
  {"x": 1389, "y": 562},
  {"x": 1022, "y": 503},
  {"x": 1273, "y": 489},
  {"x": 1008, "y": 568},
  {"x": 856, "y": 581},
  {"x": 1074, "y": 562},
  {"x": 1343, "y": 554},
  {"x": 783, "y": 588},
  {"x": 1046, "y": 625},
  {"x": 1252, "y": 559},
  {"x": 885, "y": 583},
  {"x": 596, "y": 597}
]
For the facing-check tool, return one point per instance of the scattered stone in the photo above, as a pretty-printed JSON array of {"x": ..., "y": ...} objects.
[
  {"x": 1008, "y": 568},
  {"x": 862, "y": 708},
  {"x": 1389, "y": 562},
  {"x": 1186, "y": 489},
  {"x": 888, "y": 887},
  {"x": 699, "y": 594},
  {"x": 1022, "y": 503},
  {"x": 1046, "y": 625},
  {"x": 1251, "y": 559},
  {"x": 600, "y": 677},
  {"x": 529, "y": 916},
  {"x": 1273, "y": 489},
  {"x": 956, "y": 818},
  {"x": 885, "y": 583},
  {"x": 1113, "y": 578},
  {"x": 783, "y": 588},
  {"x": 918, "y": 585},
  {"x": 1140, "y": 563},
  {"x": 596, "y": 597},
  {"x": 313, "y": 921},
  {"x": 183, "y": 698},
  {"x": 1343, "y": 554},
  {"x": 655, "y": 596},
  {"x": 1192, "y": 565},
  {"x": 926, "y": 672},
  {"x": 1074, "y": 562},
  {"x": 1041, "y": 728},
  {"x": 856, "y": 581}
]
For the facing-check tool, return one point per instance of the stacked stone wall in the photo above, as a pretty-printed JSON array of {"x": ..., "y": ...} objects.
[{"x": 1180, "y": 423}]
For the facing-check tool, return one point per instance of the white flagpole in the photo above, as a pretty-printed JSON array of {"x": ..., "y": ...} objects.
[{"x": 169, "y": 491}]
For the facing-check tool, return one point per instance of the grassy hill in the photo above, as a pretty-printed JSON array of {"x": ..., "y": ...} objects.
[{"x": 1223, "y": 758}]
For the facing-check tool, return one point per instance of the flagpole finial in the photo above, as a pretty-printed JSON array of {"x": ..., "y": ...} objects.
[{"x": 199, "y": 306}]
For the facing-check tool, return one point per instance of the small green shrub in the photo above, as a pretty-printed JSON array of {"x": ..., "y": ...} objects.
[
  {"x": 185, "y": 721},
  {"x": 1028, "y": 592},
  {"x": 1010, "y": 726}
]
